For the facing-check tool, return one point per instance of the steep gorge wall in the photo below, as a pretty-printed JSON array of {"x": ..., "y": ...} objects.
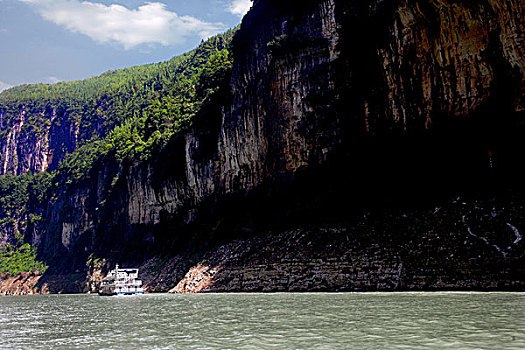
[
  {"x": 228, "y": 151},
  {"x": 448, "y": 57},
  {"x": 36, "y": 146},
  {"x": 316, "y": 85}
]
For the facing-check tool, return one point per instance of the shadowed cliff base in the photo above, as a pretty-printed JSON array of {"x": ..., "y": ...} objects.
[
  {"x": 393, "y": 130},
  {"x": 313, "y": 233}
]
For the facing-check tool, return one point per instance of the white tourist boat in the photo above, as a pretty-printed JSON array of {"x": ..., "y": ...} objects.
[{"x": 121, "y": 282}]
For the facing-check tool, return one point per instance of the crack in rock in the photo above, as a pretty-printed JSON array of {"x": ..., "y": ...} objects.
[
  {"x": 516, "y": 232},
  {"x": 482, "y": 238}
]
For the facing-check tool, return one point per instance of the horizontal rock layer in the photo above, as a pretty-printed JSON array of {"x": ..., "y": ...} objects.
[
  {"x": 464, "y": 244},
  {"x": 440, "y": 250},
  {"x": 401, "y": 96}
]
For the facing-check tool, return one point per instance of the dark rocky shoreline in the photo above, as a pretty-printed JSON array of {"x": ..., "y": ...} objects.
[{"x": 442, "y": 248}]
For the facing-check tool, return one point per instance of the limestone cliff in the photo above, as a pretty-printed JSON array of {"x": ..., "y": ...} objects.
[
  {"x": 333, "y": 105},
  {"x": 36, "y": 146}
]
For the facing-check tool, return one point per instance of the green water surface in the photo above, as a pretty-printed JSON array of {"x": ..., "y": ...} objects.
[{"x": 454, "y": 320}]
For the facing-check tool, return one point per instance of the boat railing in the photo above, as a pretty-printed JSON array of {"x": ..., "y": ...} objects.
[{"x": 128, "y": 283}]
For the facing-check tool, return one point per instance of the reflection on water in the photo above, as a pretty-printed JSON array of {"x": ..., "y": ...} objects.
[{"x": 265, "y": 321}]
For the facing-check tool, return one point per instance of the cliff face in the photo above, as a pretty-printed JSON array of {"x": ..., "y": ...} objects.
[
  {"x": 308, "y": 82},
  {"x": 450, "y": 55},
  {"x": 377, "y": 96},
  {"x": 268, "y": 129},
  {"x": 436, "y": 249},
  {"x": 36, "y": 146}
]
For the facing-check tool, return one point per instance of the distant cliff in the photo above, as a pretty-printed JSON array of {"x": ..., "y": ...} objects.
[
  {"x": 335, "y": 110},
  {"x": 29, "y": 149}
]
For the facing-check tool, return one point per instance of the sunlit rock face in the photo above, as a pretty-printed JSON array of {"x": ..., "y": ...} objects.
[
  {"x": 445, "y": 57},
  {"x": 321, "y": 76},
  {"x": 35, "y": 140},
  {"x": 395, "y": 97},
  {"x": 323, "y": 79}
]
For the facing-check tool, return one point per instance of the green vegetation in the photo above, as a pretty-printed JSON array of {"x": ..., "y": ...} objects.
[
  {"x": 15, "y": 260},
  {"x": 277, "y": 42},
  {"x": 19, "y": 198},
  {"x": 94, "y": 261},
  {"x": 177, "y": 97},
  {"x": 100, "y": 103},
  {"x": 128, "y": 112},
  {"x": 19, "y": 195},
  {"x": 122, "y": 117}
]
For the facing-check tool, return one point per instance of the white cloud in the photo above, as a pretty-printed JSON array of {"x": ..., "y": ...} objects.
[
  {"x": 149, "y": 23},
  {"x": 53, "y": 79},
  {"x": 240, "y": 7},
  {"x": 4, "y": 86}
]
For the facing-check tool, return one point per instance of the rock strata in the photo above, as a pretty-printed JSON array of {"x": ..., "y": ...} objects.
[
  {"x": 386, "y": 99},
  {"x": 29, "y": 148},
  {"x": 437, "y": 252}
]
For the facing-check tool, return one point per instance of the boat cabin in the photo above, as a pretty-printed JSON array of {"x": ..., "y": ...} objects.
[{"x": 121, "y": 282}]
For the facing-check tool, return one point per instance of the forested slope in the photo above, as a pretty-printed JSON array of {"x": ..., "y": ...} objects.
[{"x": 53, "y": 135}]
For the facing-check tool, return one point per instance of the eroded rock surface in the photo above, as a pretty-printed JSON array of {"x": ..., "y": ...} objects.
[
  {"x": 421, "y": 250},
  {"x": 384, "y": 98}
]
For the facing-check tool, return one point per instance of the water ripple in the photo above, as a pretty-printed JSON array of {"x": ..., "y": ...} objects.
[{"x": 265, "y": 321}]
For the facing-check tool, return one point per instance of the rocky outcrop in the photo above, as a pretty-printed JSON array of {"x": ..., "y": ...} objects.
[
  {"x": 439, "y": 249},
  {"x": 297, "y": 93},
  {"x": 22, "y": 284},
  {"x": 465, "y": 244},
  {"x": 198, "y": 279},
  {"x": 32, "y": 283},
  {"x": 382, "y": 98},
  {"x": 159, "y": 275},
  {"x": 445, "y": 57}
]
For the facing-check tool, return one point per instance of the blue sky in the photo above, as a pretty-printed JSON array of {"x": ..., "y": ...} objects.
[{"x": 60, "y": 40}]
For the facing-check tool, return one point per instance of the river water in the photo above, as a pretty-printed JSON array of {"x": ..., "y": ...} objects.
[{"x": 265, "y": 321}]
